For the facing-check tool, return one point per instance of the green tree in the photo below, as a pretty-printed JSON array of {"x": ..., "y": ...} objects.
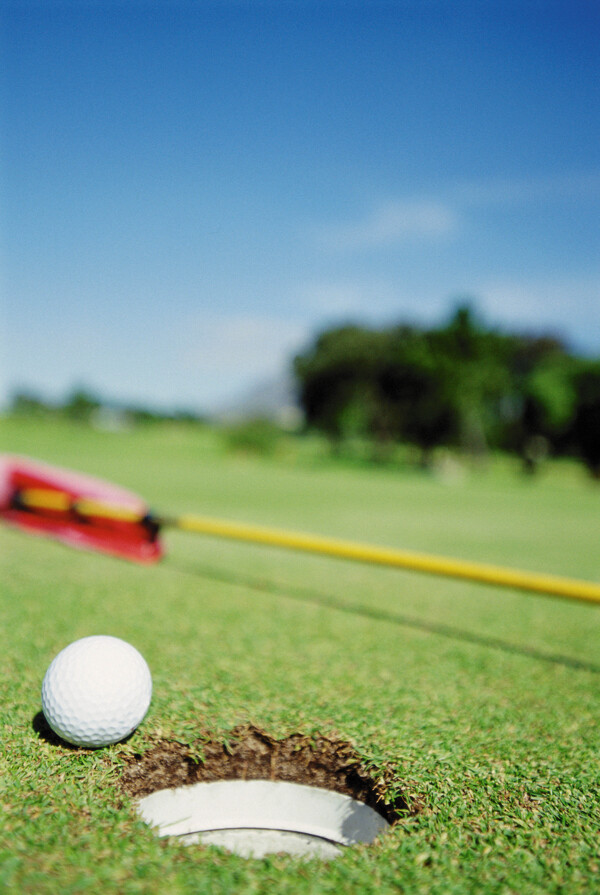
[
  {"x": 460, "y": 383},
  {"x": 472, "y": 363},
  {"x": 80, "y": 405},
  {"x": 338, "y": 383},
  {"x": 417, "y": 399},
  {"x": 586, "y": 418},
  {"x": 28, "y": 404},
  {"x": 540, "y": 404}
]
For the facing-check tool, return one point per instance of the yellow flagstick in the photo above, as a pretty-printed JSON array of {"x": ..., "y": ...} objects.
[
  {"x": 401, "y": 559},
  {"x": 553, "y": 585}
]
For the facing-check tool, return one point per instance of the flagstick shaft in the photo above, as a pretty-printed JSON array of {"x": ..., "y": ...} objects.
[
  {"x": 403, "y": 559},
  {"x": 569, "y": 588}
]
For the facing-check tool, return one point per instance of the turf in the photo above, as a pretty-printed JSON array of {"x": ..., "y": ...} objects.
[{"x": 482, "y": 702}]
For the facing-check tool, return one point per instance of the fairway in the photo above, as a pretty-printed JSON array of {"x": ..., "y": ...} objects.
[{"x": 478, "y": 705}]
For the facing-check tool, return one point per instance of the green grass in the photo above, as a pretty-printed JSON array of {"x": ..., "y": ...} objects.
[{"x": 484, "y": 701}]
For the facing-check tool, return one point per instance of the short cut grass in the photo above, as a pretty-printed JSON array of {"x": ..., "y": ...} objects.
[{"x": 482, "y": 702}]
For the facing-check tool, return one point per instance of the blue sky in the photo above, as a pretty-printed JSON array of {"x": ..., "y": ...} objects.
[{"x": 191, "y": 190}]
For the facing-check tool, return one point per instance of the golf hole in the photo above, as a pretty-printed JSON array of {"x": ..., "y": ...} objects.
[
  {"x": 253, "y": 795},
  {"x": 254, "y": 818}
]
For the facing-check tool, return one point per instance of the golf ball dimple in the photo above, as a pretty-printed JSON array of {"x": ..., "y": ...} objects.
[{"x": 96, "y": 691}]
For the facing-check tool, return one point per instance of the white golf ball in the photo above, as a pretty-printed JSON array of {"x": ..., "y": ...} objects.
[{"x": 96, "y": 691}]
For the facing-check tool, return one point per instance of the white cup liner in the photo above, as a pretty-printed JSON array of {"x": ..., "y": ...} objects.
[{"x": 254, "y": 818}]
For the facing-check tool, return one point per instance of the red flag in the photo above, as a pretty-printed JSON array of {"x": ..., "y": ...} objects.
[{"x": 133, "y": 536}]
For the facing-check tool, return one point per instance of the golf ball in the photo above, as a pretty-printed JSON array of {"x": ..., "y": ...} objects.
[{"x": 96, "y": 691}]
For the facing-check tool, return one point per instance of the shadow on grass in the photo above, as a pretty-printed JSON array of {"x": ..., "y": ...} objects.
[
  {"x": 45, "y": 732},
  {"x": 320, "y": 599}
]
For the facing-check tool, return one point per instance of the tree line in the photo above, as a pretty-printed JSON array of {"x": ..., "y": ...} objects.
[
  {"x": 84, "y": 406},
  {"x": 460, "y": 384}
]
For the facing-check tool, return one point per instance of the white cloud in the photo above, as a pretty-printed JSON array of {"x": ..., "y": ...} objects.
[
  {"x": 372, "y": 302},
  {"x": 427, "y": 217},
  {"x": 239, "y": 345},
  {"x": 566, "y": 306},
  {"x": 199, "y": 361},
  {"x": 338, "y": 298},
  {"x": 391, "y": 223},
  {"x": 528, "y": 190}
]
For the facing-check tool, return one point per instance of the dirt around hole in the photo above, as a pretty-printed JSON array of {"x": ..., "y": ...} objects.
[{"x": 248, "y": 753}]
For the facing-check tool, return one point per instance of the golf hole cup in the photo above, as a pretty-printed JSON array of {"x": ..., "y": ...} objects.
[{"x": 96, "y": 691}]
